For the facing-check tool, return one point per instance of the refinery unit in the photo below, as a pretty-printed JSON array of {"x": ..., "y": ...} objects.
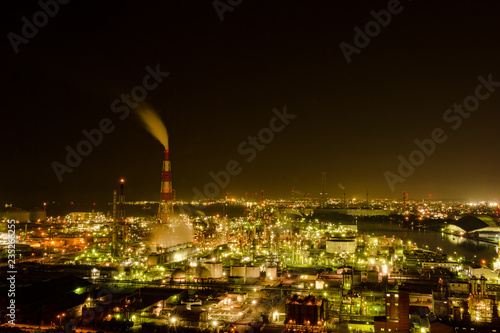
[
  {"x": 276, "y": 265},
  {"x": 235, "y": 264}
]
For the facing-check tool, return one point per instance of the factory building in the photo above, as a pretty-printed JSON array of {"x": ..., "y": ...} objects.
[{"x": 397, "y": 309}]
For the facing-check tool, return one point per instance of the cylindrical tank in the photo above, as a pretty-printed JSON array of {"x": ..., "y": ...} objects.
[
  {"x": 271, "y": 273},
  {"x": 253, "y": 272},
  {"x": 238, "y": 271},
  {"x": 320, "y": 284},
  {"x": 215, "y": 269}
]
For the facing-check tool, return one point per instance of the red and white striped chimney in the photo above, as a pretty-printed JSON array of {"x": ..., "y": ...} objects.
[{"x": 165, "y": 209}]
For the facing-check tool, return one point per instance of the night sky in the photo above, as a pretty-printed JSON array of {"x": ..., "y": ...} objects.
[{"x": 225, "y": 78}]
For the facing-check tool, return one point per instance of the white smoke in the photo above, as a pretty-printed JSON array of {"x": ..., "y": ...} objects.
[
  {"x": 171, "y": 235},
  {"x": 153, "y": 124}
]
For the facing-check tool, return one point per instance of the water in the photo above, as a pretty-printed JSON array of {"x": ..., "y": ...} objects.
[{"x": 425, "y": 238}]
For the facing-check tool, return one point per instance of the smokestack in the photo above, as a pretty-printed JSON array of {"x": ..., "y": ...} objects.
[
  {"x": 323, "y": 193},
  {"x": 345, "y": 205},
  {"x": 165, "y": 209},
  {"x": 121, "y": 213},
  {"x": 404, "y": 200},
  {"x": 114, "y": 205},
  {"x": 155, "y": 126},
  {"x": 121, "y": 201},
  {"x": 114, "y": 235}
]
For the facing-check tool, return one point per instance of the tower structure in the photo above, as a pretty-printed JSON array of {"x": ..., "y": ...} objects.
[
  {"x": 165, "y": 209},
  {"x": 114, "y": 236},
  {"x": 343, "y": 199},
  {"x": 121, "y": 213},
  {"x": 121, "y": 202},
  {"x": 323, "y": 191},
  {"x": 404, "y": 200}
]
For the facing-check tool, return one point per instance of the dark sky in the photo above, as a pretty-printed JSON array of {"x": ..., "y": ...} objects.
[{"x": 353, "y": 120}]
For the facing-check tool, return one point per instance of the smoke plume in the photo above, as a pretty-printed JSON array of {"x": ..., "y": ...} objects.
[
  {"x": 174, "y": 234},
  {"x": 153, "y": 124}
]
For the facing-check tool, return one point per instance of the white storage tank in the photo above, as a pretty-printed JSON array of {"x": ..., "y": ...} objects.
[
  {"x": 271, "y": 273},
  {"x": 215, "y": 269},
  {"x": 202, "y": 275},
  {"x": 253, "y": 272},
  {"x": 320, "y": 284},
  {"x": 178, "y": 276},
  {"x": 237, "y": 271}
]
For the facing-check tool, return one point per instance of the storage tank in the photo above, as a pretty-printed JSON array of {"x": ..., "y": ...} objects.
[
  {"x": 215, "y": 269},
  {"x": 237, "y": 271},
  {"x": 202, "y": 275},
  {"x": 320, "y": 284},
  {"x": 253, "y": 272},
  {"x": 178, "y": 275},
  {"x": 271, "y": 273}
]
